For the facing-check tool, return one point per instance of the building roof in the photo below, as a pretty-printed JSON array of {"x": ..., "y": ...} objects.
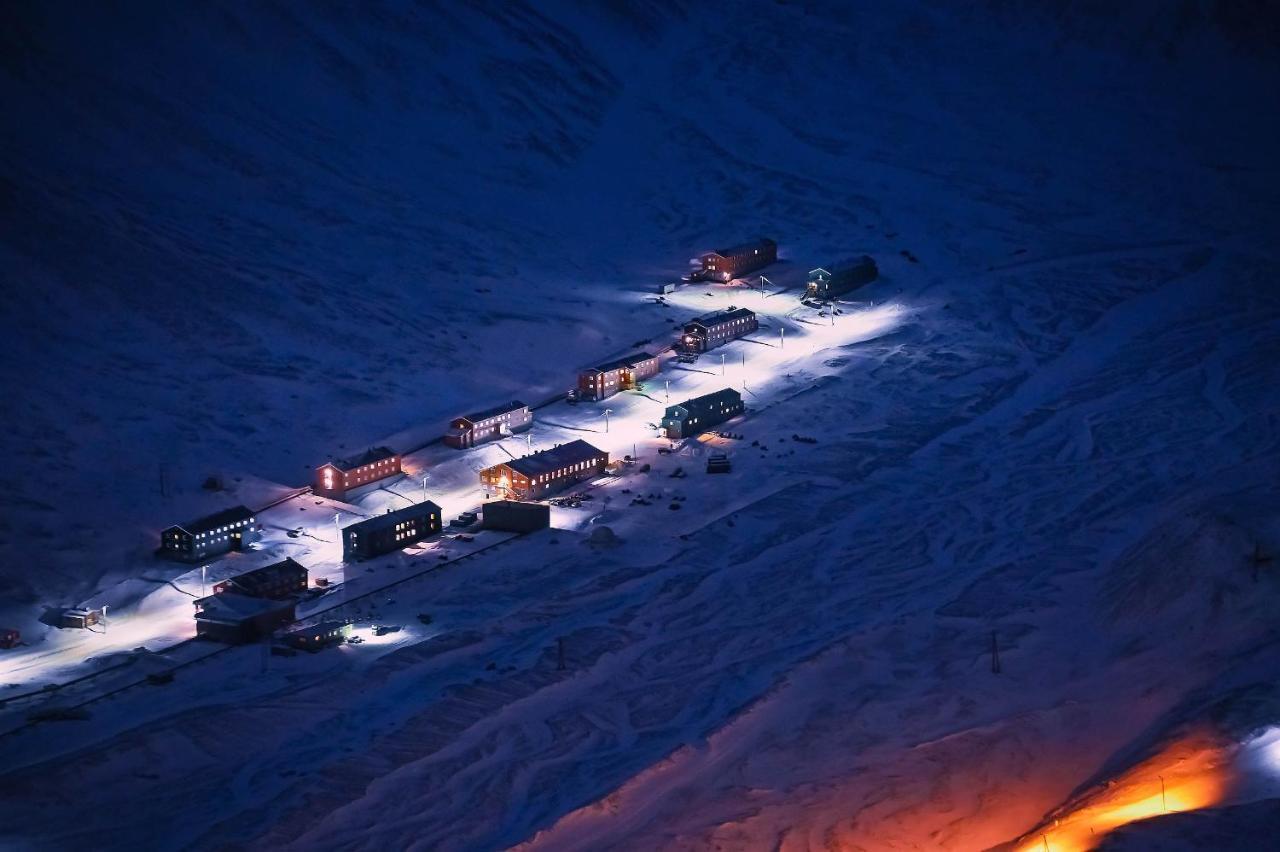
[
  {"x": 267, "y": 573},
  {"x": 476, "y": 417},
  {"x": 722, "y": 316},
  {"x": 547, "y": 461},
  {"x": 322, "y": 627},
  {"x": 217, "y": 519},
  {"x": 709, "y": 401},
  {"x": 743, "y": 248},
  {"x": 390, "y": 519},
  {"x": 846, "y": 264},
  {"x": 232, "y": 608},
  {"x": 629, "y": 361},
  {"x": 369, "y": 456}
]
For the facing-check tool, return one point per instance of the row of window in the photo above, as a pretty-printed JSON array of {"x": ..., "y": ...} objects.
[{"x": 564, "y": 471}]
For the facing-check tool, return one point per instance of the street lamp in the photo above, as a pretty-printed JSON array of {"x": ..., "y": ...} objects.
[
  {"x": 607, "y": 412},
  {"x": 424, "y": 489},
  {"x": 203, "y": 568},
  {"x": 722, "y": 363},
  {"x": 668, "y": 381}
]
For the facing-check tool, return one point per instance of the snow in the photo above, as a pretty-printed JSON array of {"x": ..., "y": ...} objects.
[{"x": 1059, "y": 425}]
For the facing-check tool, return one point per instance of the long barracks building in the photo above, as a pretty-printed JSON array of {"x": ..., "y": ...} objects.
[
  {"x": 840, "y": 278},
  {"x": 392, "y": 531},
  {"x": 212, "y": 535},
  {"x": 734, "y": 262},
  {"x": 626, "y": 373},
  {"x": 708, "y": 332},
  {"x": 701, "y": 413},
  {"x": 334, "y": 479},
  {"x": 488, "y": 425},
  {"x": 543, "y": 472}
]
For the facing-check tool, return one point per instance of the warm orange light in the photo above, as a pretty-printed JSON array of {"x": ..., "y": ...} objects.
[{"x": 1195, "y": 773}]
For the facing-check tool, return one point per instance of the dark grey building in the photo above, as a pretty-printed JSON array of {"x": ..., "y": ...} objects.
[
  {"x": 701, "y": 413},
  {"x": 513, "y": 516},
  {"x": 840, "y": 278},
  {"x": 392, "y": 531},
  {"x": 707, "y": 332},
  {"x": 210, "y": 536}
]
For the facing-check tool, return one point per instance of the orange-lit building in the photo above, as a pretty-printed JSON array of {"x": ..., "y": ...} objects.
[
  {"x": 734, "y": 262},
  {"x": 334, "y": 479},
  {"x": 546, "y": 471}
]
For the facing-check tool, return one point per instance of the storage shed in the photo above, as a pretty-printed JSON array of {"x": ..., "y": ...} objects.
[{"x": 514, "y": 516}]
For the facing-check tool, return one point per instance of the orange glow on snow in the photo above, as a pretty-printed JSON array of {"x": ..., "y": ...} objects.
[{"x": 1196, "y": 774}]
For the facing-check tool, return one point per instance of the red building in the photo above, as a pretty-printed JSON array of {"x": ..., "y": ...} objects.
[
  {"x": 278, "y": 581},
  {"x": 735, "y": 261},
  {"x": 334, "y": 479},
  {"x": 605, "y": 380}
]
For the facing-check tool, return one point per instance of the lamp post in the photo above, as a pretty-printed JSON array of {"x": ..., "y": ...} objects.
[
  {"x": 104, "y": 619},
  {"x": 782, "y": 337},
  {"x": 203, "y": 568},
  {"x": 722, "y": 363},
  {"x": 424, "y": 489},
  {"x": 668, "y": 382},
  {"x": 607, "y": 412},
  {"x": 337, "y": 526}
]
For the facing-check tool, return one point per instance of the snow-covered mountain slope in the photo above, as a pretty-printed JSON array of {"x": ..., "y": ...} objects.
[{"x": 239, "y": 238}]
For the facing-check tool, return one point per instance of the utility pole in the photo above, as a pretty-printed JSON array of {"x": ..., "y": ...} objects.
[
  {"x": 337, "y": 526},
  {"x": 424, "y": 489},
  {"x": 607, "y": 412},
  {"x": 782, "y": 337},
  {"x": 1164, "y": 804},
  {"x": 722, "y": 363},
  {"x": 528, "y": 444},
  {"x": 668, "y": 381},
  {"x": 203, "y": 569},
  {"x": 634, "y": 454},
  {"x": 104, "y": 619},
  {"x": 995, "y": 654}
]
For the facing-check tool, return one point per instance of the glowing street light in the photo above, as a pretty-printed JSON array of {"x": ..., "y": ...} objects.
[
  {"x": 203, "y": 568},
  {"x": 424, "y": 489},
  {"x": 607, "y": 412},
  {"x": 668, "y": 381},
  {"x": 722, "y": 363}
]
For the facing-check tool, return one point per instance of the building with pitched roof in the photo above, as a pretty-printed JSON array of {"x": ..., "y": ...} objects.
[
  {"x": 488, "y": 425},
  {"x": 707, "y": 332},
  {"x": 734, "y": 262},
  {"x": 701, "y": 413},
  {"x": 604, "y": 380},
  {"x": 210, "y": 536},
  {"x": 840, "y": 278},
  {"x": 334, "y": 479},
  {"x": 277, "y": 581},
  {"x": 544, "y": 472},
  {"x": 392, "y": 531}
]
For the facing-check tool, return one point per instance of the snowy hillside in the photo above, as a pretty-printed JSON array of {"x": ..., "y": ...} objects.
[{"x": 241, "y": 238}]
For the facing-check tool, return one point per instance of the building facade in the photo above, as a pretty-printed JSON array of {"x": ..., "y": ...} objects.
[
  {"x": 736, "y": 261},
  {"x": 838, "y": 279},
  {"x": 513, "y": 516},
  {"x": 706, "y": 333},
  {"x": 392, "y": 531},
  {"x": 626, "y": 373},
  {"x": 544, "y": 472},
  {"x": 277, "y": 581},
  {"x": 334, "y": 479},
  {"x": 236, "y": 618},
  {"x": 701, "y": 413},
  {"x": 210, "y": 536},
  {"x": 318, "y": 636},
  {"x": 488, "y": 425}
]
